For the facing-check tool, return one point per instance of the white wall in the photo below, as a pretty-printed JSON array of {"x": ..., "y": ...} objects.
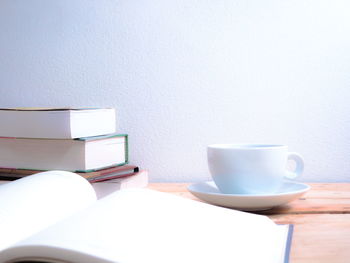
[{"x": 186, "y": 73}]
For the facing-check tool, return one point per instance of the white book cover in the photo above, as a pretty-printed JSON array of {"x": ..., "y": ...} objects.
[
  {"x": 56, "y": 123},
  {"x": 104, "y": 188},
  {"x": 83, "y": 154},
  {"x": 43, "y": 219}
]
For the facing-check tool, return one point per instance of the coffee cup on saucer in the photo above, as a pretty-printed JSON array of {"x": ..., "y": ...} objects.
[{"x": 251, "y": 168}]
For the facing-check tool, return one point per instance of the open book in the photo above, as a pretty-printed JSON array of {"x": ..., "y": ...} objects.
[{"x": 55, "y": 217}]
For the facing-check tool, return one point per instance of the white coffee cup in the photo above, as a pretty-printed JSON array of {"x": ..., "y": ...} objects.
[{"x": 251, "y": 168}]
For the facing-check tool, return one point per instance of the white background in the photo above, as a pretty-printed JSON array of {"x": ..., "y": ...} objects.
[{"x": 186, "y": 73}]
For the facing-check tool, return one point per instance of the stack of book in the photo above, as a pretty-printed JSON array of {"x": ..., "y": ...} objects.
[{"x": 83, "y": 141}]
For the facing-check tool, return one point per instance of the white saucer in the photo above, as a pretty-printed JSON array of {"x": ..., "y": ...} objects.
[{"x": 208, "y": 192}]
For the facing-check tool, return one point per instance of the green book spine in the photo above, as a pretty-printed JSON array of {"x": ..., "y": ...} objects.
[{"x": 105, "y": 137}]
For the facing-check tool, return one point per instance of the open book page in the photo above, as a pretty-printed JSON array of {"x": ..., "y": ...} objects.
[
  {"x": 31, "y": 204},
  {"x": 145, "y": 226}
]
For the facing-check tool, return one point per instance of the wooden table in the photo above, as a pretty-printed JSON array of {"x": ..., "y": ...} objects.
[{"x": 321, "y": 221}]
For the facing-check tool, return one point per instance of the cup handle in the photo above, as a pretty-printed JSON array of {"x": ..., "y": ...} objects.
[{"x": 299, "y": 168}]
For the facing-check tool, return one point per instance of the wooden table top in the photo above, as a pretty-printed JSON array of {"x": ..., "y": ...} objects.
[{"x": 321, "y": 219}]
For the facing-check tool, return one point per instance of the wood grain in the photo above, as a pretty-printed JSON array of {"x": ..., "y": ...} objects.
[
  {"x": 318, "y": 238},
  {"x": 331, "y": 198}
]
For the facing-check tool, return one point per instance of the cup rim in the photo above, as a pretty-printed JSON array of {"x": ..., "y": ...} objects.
[{"x": 245, "y": 146}]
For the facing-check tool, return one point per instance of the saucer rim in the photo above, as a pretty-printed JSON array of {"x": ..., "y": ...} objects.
[{"x": 305, "y": 188}]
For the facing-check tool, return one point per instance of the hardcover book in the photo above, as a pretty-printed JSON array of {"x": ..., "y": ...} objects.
[
  {"x": 114, "y": 172},
  {"x": 136, "y": 180},
  {"x": 56, "y": 123},
  {"x": 54, "y": 217},
  {"x": 82, "y": 154}
]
